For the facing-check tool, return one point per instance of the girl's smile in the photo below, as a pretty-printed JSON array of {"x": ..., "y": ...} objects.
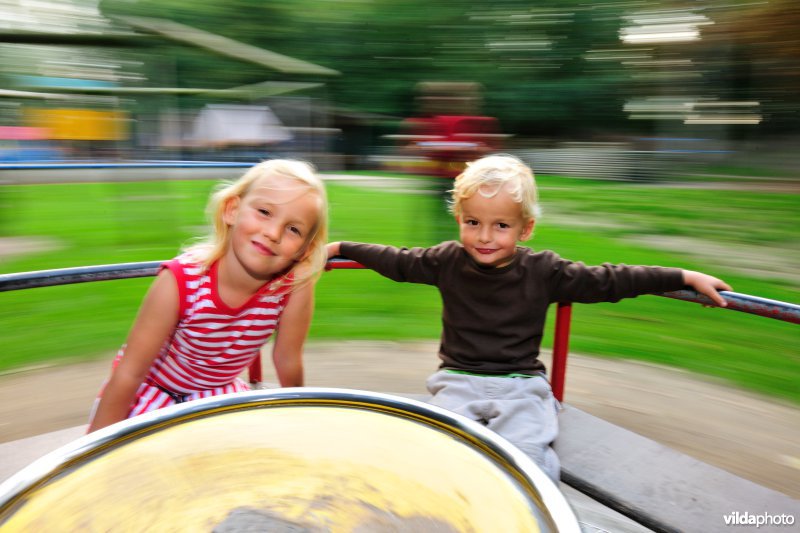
[{"x": 263, "y": 249}]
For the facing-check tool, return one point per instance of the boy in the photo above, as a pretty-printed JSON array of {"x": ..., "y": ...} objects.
[{"x": 495, "y": 297}]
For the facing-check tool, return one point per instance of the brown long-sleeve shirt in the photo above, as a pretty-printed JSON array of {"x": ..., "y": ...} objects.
[{"x": 493, "y": 318}]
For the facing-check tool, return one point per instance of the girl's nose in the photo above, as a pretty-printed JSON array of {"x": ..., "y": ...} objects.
[{"x": 272, "y": 231}]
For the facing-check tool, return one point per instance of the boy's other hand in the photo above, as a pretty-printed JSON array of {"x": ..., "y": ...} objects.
[{"x": 706, "y": 285}]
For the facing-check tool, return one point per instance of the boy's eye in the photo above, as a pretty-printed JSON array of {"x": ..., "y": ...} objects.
[
  {"x": 503, "y": 225},
  {"x": 472, "y": 222}
]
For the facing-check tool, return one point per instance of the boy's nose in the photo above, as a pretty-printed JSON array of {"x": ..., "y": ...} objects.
[{"x": 484, "y": 235}]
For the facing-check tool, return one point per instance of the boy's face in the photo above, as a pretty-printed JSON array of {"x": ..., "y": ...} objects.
[{"x": 491, "y": 227}]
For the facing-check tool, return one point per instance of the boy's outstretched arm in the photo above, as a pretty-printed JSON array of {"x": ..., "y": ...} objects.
[
  {"x": 706, "y": 285},
  {"x": 410, "y": 265}
]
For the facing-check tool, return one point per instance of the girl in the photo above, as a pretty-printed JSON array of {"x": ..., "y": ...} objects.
[{"x": 210, "y": 310}]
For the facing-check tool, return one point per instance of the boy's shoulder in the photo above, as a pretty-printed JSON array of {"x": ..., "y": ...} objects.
[
  {"x": 530, "y": 255},
  {"x": 447, "y": 247},
  {"x": 447, "y": 252},
  {"x": 539, "y": 262}
]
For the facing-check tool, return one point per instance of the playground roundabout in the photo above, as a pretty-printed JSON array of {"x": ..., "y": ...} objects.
[{"x": 751, "y": 436}]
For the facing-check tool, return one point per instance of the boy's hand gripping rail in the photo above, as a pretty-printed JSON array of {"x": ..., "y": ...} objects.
[{"x": 745, "y": 303}]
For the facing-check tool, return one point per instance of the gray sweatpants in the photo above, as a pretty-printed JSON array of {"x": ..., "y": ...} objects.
[{"x": 522, "y": 410}]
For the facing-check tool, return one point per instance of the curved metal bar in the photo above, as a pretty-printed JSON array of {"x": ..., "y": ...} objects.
[
  {"x": 66, "y": 276},
  {"x": 342, "y": 263},
  {"x": 556, "y": 515},
  {"x": 141, "y": 164},
  {"x": 745, "y": 303}
]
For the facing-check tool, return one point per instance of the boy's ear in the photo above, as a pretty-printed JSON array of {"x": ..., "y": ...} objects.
[
  {"x": 527, "y": 229},
  {"x": 230, "y": 211}
]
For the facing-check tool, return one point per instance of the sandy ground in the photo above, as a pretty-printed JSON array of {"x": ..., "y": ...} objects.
[{"x": 751, "y": 436}]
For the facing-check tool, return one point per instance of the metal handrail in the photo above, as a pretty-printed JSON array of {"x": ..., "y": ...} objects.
[
  {"x": 746, "y": 303},
  {"x": 71, "y": 165},
  {"x": 67, "y": 276}
]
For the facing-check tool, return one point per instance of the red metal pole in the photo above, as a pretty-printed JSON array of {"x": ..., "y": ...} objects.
[
  {"x": 560, "y": 348},
  {"x": 254, "y": 370}
]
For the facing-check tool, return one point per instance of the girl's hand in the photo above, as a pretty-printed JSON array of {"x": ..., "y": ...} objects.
[{"x": 706, "y": 285}]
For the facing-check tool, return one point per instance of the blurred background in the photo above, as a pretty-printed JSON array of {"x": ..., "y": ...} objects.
[
  {"x": 661, "y": 132},
  {"x": 621, "y": 89}
]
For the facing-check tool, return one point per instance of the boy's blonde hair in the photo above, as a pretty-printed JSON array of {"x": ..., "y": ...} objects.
[
  {"x": 488, "y": 175},
  {"x": 214, "y": 246}
]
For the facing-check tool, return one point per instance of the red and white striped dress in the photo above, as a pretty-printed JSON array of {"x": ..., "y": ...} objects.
[{"x": 212, "y": 343}]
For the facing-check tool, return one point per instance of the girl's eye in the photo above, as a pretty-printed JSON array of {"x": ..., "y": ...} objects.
[
  {"x": 264, "y": 212},
  {"x": 296, "y": 231}
]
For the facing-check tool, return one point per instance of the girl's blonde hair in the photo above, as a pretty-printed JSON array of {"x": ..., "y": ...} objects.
[
  {"x": 490, "y": 174},
  {"x": 214, "y": 246}
]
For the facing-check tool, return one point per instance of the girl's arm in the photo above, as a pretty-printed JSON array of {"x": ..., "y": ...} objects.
[
  {"x": 155, "y": 322},
  {"x": 287, "y": 353}
]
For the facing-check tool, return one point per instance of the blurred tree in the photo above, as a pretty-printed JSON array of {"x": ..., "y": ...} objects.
[
  {"x": 243, "y": 20},
  {"x": 554, "y": 68},
  {"x": 530, "y": 59},
  {"x": 759, "y": 62}
]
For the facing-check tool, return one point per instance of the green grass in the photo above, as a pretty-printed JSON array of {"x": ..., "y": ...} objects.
[{"x": 583, "y": 220}]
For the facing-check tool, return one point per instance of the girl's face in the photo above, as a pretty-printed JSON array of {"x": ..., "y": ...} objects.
[
  {"x": 271, "y": 225},
  {"x": 490, "y": 228}
]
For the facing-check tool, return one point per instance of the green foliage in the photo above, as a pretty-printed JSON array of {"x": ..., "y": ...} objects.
[
  {"x": 549, "y": 68},
  {"x": 531, "y": 60}
]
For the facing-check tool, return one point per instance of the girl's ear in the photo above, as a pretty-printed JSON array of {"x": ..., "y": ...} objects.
[
  {"x": 527, "y": 229},
  {"x": 231, "y": 210}
]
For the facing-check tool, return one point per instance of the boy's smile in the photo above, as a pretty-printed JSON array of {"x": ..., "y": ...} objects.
[
  {"x": 490, "y": 228},
  {"x": 486, "y": 251}
]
